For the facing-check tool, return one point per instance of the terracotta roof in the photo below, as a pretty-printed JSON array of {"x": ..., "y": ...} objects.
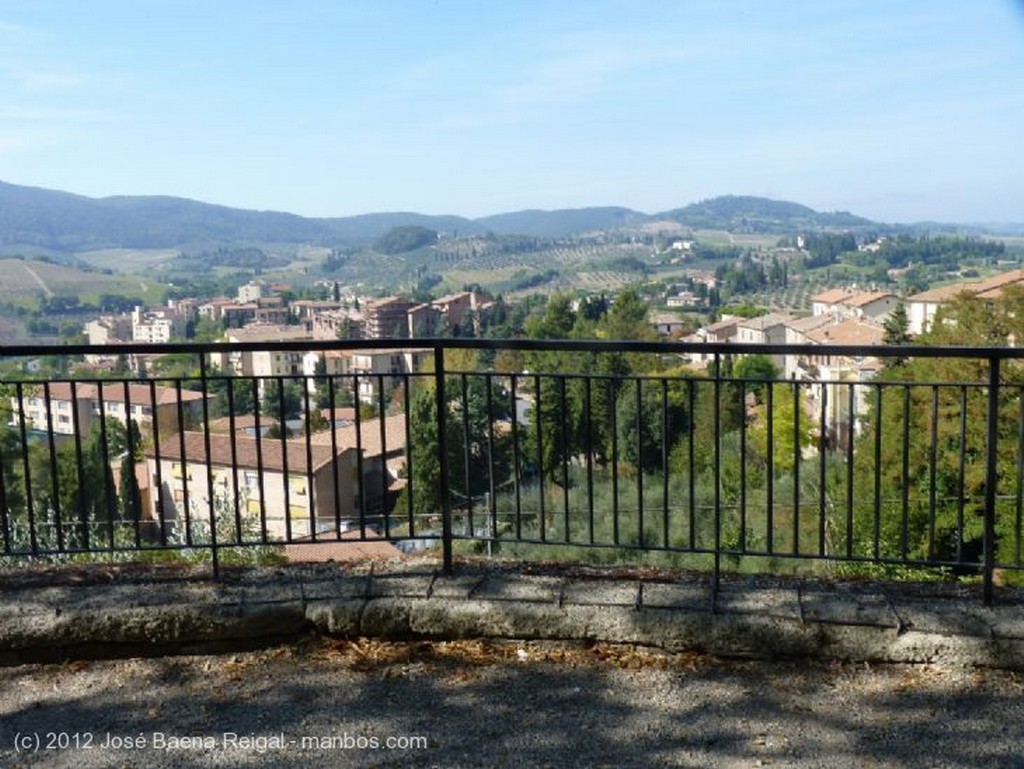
[
  {"x": 268, "y": 333},
  {"x": 854, "y": 332},
  {"x": 721, "y": 325},
  {"x": 339, "y": 412},
  {"x": 248, "y": 452},
  {"x": 766, "y": 321},
  {"x": 988, "y": 288},
  {"x": 867, "y": 297},
  {"x": 803, "y": 325},
  {"x": 113, "y": 392},
  {"x": 242, "y": 422},
  {"x": 832, "y": 296},
  {"x": 369, "y": 435}
]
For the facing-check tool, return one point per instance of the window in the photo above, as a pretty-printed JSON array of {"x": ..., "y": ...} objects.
[{"x": 297, "y": 485}]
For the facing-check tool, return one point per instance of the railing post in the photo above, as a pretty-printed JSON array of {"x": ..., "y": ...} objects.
[
  {"x": 717, "y": 429},
  {"x": 442, "y": 449},
  {"x": 991, "y": 479}
]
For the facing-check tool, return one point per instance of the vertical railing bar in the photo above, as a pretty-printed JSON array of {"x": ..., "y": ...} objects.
[
  {"x": 962, "y": 476},
  {"x": 933, "y": 469},
  {"x": 5, "y": 522},
  {"x": 991, "y": 479},
  {"x": 260, "y": 485},
  {"x": 208, "y": 446},
  {"x": 563, "y": 407},
  {"x": 905, "y": 477},
  {"x": 796, "y": 468},
  {"x": 159, "y": 500},
  {"x": 310, "y": 488},
  {"x": 360, "y": 489},
  {"x": 54, "y": 477},
  {"x": 335, "y": 471},
  {"x": 385, "y": 478},
  {"x": 823, "y": 472},
  {"x": 108, "y": 492},
  {"x": 185, "y": 508},
  {"x": 613, "y": 398},
  {"x": 233, "y": 441},
  {"x": 539, "y": 417},
  {"x": 492, "y": 510},
  {"x": 664, "y": 464},
  {"x": 717, "y": 453},
  {"x": 770, "y": 473},
  {"x": 1019, "y": 512},
  {"x": 878, "y": 473},
  {"x": 442, "y": 445},
  {"x": 850, "y": 434},
  {"x": 466, "y": 477},
  {"x": 639, "y": 463},
  {"x": 76, "y": 423},
  {"x": 336, "y": 488},
  {"x": 406, "y": 399},
  {"x": 282, "y": 423},
  {"x": 29, "y": 502},
  {"x": 136, "y": 512},
  {"x": 743, "y": 464},
  {"x": 691, "y": 459},
  {"x": 516, "y": 460},
  {"x": 588, "y": 417}
]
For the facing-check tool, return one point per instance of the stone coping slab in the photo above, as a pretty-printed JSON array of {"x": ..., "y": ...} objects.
[{"x": 138, "y": 611}]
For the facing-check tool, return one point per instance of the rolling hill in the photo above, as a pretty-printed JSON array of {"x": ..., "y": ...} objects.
[{"x": 34, "y": 219}]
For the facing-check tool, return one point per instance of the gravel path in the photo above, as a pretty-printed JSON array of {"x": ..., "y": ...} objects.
[{"x": 488, "y": 704}]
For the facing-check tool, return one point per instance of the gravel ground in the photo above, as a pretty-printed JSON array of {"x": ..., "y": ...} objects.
[{"x": 488, "y": 704}]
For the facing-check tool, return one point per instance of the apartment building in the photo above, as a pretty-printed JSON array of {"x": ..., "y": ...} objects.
[
  {"x": 285, "y": 486},
  {"x": 156, "y": 325},
  {"x": 67, "y": 410}
]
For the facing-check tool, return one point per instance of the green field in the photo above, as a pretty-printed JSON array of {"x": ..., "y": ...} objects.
[{"x": 24, "y": 281}]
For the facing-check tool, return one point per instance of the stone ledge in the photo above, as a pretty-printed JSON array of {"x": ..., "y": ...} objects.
[{"x": 865, "y": 622}]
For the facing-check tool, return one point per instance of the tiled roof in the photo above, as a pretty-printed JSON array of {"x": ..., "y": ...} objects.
[
  {"x": 249, "y": 452},
  {"x": 113, "y": 392},
  {"x": 853, "y": 332},
  {"x": 832, "y": 296},
  {"x": 988, "y": 288},
  {"x": 811, "y": 322},
  {"x": 722, "y": 325},
  {"x": 867, "y": 297},
  {"x": 369, "y": 435},
  {"x": 766, "y": 321},
  {"x": 268, "y": 333}
]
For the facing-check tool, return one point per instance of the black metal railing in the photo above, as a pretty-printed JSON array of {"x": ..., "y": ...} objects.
[{"x": 883, "y": 460}]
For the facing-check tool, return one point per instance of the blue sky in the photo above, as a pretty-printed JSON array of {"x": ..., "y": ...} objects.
[{"x": 900, "y": 111}]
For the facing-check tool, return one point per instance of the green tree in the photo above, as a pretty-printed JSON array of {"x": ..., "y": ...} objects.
[{"x": 791, "y": 427}]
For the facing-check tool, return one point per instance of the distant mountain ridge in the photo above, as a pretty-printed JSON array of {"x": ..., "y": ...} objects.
[{"x": 32, "y": 217}]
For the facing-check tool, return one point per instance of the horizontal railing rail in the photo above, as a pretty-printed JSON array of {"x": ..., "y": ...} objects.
[{"x": 857, "y": 462}]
